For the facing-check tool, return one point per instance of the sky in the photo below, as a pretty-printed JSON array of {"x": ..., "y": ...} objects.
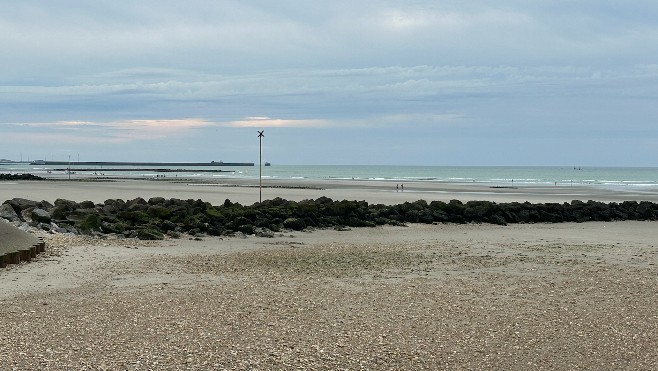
[{"x": 368, "y": 82}]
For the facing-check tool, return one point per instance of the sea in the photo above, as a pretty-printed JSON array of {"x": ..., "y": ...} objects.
[{"x": 636, "y": 178}]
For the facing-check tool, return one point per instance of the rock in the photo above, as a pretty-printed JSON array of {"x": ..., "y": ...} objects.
[
  {"x": 149, "y": 234},
  {"x": 645, "y": 209},
  {"x": 20, "y": 204},
  {"x": 138, "y": 204},
  {"x": 108, "y": 227},
  {"x": 26, "y": 215},
  {"x": 70, "y": 205},
  {"x": 20, "y": 177},
  {"x": 45, "y": 205},
  {"x": 240, "y": 221},
  {"x": 86, "y": 205},
  {"x": 40, "y": 215},
  {"x": 173, "y": 234},
  {"x": 266, "y": 233},
  {"x": 294, "y": 224},
  {"x": 168, "y": 225},
  {"x": 497, "y": 218},
  {"x": 7, "y": 212},
  {"x": 90, "y": 223},
  {"x": 247, "y": 229},
  {"x": 156, "y": 201},
  {"x": 157, "y": 211}
]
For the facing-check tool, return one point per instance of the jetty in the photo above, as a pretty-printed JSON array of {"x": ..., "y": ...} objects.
[
  {"x": 154, "y": 170},
  {"x": 119, "y": 163}
]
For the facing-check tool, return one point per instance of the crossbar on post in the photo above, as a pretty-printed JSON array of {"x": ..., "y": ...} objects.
[{"x": 260, "y": 165}]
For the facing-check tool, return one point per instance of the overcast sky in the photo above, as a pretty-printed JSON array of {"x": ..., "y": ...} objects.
[{"x": 509, "y": 82}]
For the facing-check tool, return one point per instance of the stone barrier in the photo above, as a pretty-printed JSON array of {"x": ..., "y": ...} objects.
[{"x": 157, "y": 217}]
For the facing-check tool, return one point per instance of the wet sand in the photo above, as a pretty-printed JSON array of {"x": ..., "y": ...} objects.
[{"x": 247, "y": 192}]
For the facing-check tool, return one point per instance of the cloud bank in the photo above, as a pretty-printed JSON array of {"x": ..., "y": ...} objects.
[{"x": 421, "y": 82}]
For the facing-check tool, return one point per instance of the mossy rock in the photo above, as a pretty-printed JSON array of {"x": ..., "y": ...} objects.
[
  {"x": 157, "y": 211},
  {"x": 174, "y": 234},
  {"x": 149, "y": 234},
  {"x": 136, "y": 217},
  {"x": 294, "y": 224},
  {"x": 247, "y": 229},
  {"x": 91, "y": 222},
  {"x": 118, "y": 227}
]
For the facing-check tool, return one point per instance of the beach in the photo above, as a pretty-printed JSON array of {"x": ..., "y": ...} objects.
[
  {"x": 248, "y": 191},
  {"x": 443, "y": 296}
]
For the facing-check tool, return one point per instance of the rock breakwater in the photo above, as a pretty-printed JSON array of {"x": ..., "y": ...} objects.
[
  {"x": 20, "y": 177},
  {"x": 157, "y": 217}
]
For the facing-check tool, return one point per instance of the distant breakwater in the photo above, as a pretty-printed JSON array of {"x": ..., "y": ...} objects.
[
  {"x": 155, "y": 170},
  {"x": 157, "y": 217},
  {"x": 20, "y": 177},
  {"x": 115, "y": 163}
]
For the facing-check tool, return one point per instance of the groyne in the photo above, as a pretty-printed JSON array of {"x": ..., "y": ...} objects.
[{"x": 157, "y": 217}]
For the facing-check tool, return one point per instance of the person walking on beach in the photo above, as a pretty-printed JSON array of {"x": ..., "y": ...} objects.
[
  {"x": 401, "y": 187},
  {"x": 397, "y": 187}
]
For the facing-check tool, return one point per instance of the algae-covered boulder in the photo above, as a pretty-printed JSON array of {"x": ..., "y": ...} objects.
[
  {"x": 294, "y": 224},
  {"x": 90, "y": 223},
  {"x": 149, "y": 234}
]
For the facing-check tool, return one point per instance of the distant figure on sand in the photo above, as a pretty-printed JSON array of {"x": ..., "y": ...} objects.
[
  {"x": 397, "y": 187},
  {"x": 402, "y": 187}
]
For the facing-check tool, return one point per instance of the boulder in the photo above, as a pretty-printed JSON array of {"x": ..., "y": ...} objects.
[
  {"x": 157, "y": 211},
  {"x": 156, "y": 201},
  {"x": 90, "y": 223},
  {"x": 7, "y": 212},
  {"x": 40, "y": 215},
  {"x": 86, "y": 205},
  {"x": 26, "y": 215},
  {"x": 20, "y": 204},
  {"x": 68, "y": 204},
  {"x": 149, "y": 234},
  {"x": 45, "y": 205},
  {"x": 294, "y": 224}
]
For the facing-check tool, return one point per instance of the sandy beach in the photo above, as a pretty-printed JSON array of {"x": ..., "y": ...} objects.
[
  {"x": 247, "y": 192},
  {"x": 533, "y": 296}
]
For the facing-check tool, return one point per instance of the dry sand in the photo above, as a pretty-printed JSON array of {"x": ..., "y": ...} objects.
[{"x": 542, "y": 296}]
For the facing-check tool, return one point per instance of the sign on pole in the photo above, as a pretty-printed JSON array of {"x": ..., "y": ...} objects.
[{"x": 260, "y": 164}]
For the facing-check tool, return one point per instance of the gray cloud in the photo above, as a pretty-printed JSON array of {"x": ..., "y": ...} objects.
[{"x": 512, "y": 71}]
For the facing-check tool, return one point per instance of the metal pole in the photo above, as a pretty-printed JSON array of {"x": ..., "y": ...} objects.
[{"x": 260, "y": 164}]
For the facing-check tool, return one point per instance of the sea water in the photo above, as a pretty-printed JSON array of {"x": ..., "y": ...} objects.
[{"x": 607, "y": 177}]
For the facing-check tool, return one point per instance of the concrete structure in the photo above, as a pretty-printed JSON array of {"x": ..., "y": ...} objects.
[{"x": 17, "y": 245}]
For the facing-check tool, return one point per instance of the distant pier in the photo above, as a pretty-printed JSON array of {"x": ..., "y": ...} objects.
[
  {"x": 115, "y": 163},
  {"x": 155, "y": 170}
]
